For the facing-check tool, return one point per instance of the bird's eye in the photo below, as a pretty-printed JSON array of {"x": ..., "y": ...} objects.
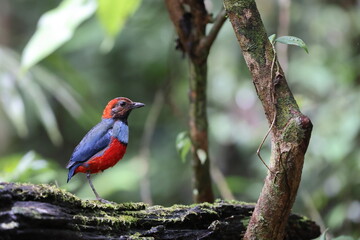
[{"x": 122, "y": 103}]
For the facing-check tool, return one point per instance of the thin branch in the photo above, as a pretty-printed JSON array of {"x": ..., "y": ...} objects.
[
  {"x": 176, "y": 14},
  {"x": 262, "y": 143},
  {"x": 207, "y": 41},
  {"x": 220, "y": 181},
  {"x": 258, "y": 151},
  {"x": 143, "y": 156}
]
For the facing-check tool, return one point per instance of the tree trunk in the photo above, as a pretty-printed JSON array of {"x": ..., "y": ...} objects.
[
  {"x": 190, "y": 27},
  {"x": 290, "y": 129},
  {"x": 202, "y": 190},
  {"x": 46, "y": 212}
]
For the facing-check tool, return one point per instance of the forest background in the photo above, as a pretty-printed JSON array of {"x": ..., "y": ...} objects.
[{"x": 45, "y": 112}]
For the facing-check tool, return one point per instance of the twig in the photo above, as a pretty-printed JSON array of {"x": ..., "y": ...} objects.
[
  {"x": 207, "y": 41},
  {"x": 258, "y": 151},
  {"x": 262, "y": 143},
  {"x": 220, "y": 181}
]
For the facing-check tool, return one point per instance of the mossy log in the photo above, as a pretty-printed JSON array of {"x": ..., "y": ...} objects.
[{"x": 30, "y": 211}]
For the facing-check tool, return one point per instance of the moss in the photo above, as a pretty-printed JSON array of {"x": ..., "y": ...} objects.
[
  {"x": 137, "y": 236},
  {"x": 293, "y": 132},
  {"x": 283, "y": 111},
  {"x": 233, "y": 202},
  {"x": 251, "y": 29},
  {"x": 43, "y": 191},
  {"x": 94, "y": 204},
  {"x": 101, "y": 213},
  {"x": 304, "y": 219},
  {"x": 245, "y": 221},
  {"x": 102, "y": 218},
  {"x": 233, "y": 5}
]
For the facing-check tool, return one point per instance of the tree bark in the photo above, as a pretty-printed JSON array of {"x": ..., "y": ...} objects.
[
  {"x": 202, "y": 189},
  {"x": 39, "y": 212},
  {"x": 290, "y": 133},
  {"x": 190, "y": 26}
]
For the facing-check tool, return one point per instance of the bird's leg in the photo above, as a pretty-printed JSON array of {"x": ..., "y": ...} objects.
[{"x": 93, "y": 188}]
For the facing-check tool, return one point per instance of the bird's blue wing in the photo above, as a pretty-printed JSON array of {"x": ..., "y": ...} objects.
[{"x": 94, "y": 141}]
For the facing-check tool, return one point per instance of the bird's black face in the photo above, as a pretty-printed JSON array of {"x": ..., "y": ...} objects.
[{"x": 122, "y": 108}]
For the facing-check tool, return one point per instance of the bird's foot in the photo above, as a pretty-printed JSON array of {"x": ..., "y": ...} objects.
[{"x": 104, "y": 200}]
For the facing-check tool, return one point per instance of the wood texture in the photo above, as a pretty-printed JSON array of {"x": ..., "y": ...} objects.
[
  {"x": 290, "y": 133},
  {"x": 45, "y": 212},
  {"x": 190, "y": 19}
]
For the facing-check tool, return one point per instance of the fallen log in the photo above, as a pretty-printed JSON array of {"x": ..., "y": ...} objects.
[{"x": 29, "y": 211}]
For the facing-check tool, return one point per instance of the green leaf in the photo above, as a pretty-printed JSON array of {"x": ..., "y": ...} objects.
[
  {"x": 27, "y": 168},
  {"x": 272, "y": 38},
  {"x": 12, "y": 103},
  {"x": 31, "y": 91},
  {"x": 344, "y": 238},
  {"x": 114, "y": 13},
  {"x": 290, "y": 40},
  {"x": 323, "y": 235},
  {"x": 55, "y": 28},
  {"x": 43, "y": 110},
  {"x": 183, "y": 144}
]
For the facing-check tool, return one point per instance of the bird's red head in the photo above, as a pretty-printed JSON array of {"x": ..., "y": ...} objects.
[{"x": 120, "y": 108}]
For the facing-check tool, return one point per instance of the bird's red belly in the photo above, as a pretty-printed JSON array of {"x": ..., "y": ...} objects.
[{"x": 108, "y": 158}]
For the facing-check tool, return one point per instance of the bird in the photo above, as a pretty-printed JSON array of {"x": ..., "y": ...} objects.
[{"x": 105, "y": 144}]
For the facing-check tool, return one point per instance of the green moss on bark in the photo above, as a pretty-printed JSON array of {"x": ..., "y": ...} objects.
[
  {"x": 293, "y": 131},
  {"x": 34, "y": 209},
  {"x": 250, "y": 28}
]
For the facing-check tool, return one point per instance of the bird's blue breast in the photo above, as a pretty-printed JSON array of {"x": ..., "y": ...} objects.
[{"x": 121, "y": 132}]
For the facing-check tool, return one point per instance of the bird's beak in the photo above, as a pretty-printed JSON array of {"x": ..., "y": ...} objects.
[{"x": 137, "y": 105}]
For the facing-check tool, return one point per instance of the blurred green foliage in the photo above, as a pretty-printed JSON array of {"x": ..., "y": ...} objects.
[
  {"x": 27, "y": 168},
  {"x": 54, "y": 28},
  {"x": 325, "y": 82},
  {"x": 324, "y": 236},
  {"x": 183, "y": 145}
]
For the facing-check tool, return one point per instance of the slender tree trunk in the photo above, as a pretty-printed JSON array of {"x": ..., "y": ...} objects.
[
  {"x": 190, "y": 26},
  {"x": 290, "y": 129},
  {"x": 202, "y": 190}
]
